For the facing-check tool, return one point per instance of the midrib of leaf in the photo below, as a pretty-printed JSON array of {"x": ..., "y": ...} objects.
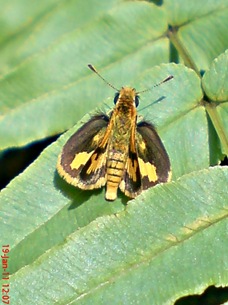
[
  {"x": 173, "y": 35},
  {"x": 213, "y": 114},
  {"x": 203, "y": 16},
  {"x": 180, "y": 116}
]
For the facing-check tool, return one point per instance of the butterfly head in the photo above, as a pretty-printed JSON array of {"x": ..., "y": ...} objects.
[{"x": 127, "y": 95}]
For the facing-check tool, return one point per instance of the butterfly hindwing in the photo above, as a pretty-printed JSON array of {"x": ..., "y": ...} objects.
[
  {"x": 131, "y": 183},
  {"x": 83, "y": 161},
  {"x": 147, "y": 163},
  {"x": 153, "y": 159}
]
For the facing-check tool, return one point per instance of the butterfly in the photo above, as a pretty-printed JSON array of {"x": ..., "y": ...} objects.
[{"x": 115, "y": 150}]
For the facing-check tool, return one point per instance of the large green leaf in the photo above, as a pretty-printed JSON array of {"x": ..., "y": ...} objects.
[
  {"x": 48, "y": 87},
  {"x": 215, "y": 84},
  {"x": 170, "y": 241},
  {"x": 215, "y": 80},
  {"x": 200, "y": 29},
  {"x": 35, "y": 200},
  {"x": 38, "y": 208},
  {"x": 45, "y": 86}
]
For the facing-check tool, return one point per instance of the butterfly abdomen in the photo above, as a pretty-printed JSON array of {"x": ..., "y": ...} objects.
[
  {"x": 116, "y": 161},
  {"x": 115, "y": 167}
]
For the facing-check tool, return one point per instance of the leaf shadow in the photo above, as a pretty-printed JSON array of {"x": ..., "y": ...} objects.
[
  {"x": 78, "y": 196},
  {"x": 154, "y": 102},
  {"x": 72, "y": 193}
]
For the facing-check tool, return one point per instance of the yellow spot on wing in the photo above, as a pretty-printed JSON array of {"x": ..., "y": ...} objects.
[
  {"x": 148, "y": 169},
  {"x": 142, "y": 145},
  {"x": 80, "y": 159},
  {"x": 97, "y": 161},
  {"x": 131, "y": 169},
  {"x": 169, "y": 176},
  {"x": 96, "y": 139}
]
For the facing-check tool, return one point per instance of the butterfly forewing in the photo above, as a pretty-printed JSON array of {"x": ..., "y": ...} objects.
[{"x": 83, "y": 162}]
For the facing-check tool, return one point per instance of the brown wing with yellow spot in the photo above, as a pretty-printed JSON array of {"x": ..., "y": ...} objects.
[
  {"x": 82, "y": 162},
  {"x": 131, "y": 184},
  {"x": 148, "y": 162},
  {"x": 153, "y": 159}
]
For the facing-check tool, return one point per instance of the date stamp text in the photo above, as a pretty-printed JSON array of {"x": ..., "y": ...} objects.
[{"x": 5, "y": 274}]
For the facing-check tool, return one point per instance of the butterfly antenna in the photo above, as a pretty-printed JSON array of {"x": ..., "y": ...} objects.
[
  {"x": 95, "y": 71},
  {"x": 156, "y": 85}
]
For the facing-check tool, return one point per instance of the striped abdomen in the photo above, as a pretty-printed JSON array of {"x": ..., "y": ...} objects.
[{"x": 115, "y": 167}]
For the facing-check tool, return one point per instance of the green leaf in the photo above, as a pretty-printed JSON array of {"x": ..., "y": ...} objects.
[
  {"x": 179, "y": 116},
  {"x": 47, "y": 86},
  {"x": 199, "y": 28},
  {"x": 215, "y": 80},
  {"x": 39, "y": 208},
  {"x": 215, "y": 84},
  {"x": 170, "y": 241},
  {"x": 72, "y": 244},
  {"x": 39, "y": 201}
]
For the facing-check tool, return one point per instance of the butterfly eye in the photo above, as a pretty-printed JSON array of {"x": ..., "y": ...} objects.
[
  {"x": 116, "y": 97},
  {"x": 136, "y": 101}
]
